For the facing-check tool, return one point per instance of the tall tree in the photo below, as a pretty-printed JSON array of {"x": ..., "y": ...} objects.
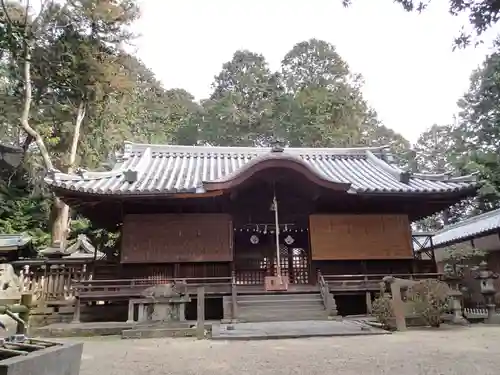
[
  {"x": 477, "y": 131},
  {"x": 316, "y": 63},
  {"x": 326, "y": 105},
  {"x": 434, "y": 150},
  {"x": 67, "y": 61},
  {"x": 240, "y": 108}
]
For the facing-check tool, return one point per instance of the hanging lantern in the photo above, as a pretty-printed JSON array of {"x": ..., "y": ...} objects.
[
  {"x": 289, "y": 240},
  {"x": 254, "y": 239}
]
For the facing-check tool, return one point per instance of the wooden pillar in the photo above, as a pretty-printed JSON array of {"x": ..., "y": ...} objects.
[
  {"x": 141, "y": 316},
  {"x": 182, "y": 312},
  {"x": 76, "y": 315},
  {"x": 177, "y": 270},
  {"x": 234, "y": 299},
  {"x": 130, "y": 318},
  {"x": 26, "y": 300},
  {"x": 200, "y": 323},
  {"x": 364, "y": 268},
  {"x": 368, "y": 296},
  {"x": 414, "y": 268}
]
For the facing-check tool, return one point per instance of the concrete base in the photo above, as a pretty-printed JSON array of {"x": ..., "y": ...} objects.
[
  {"x": 288, "y": 330},
  {"x": 156, "y": 333},
  {"x": 185, "y": 330},
  {"x": 82, "y": 329},
  {"x": 57, "y": 360},
  {"x": 106, "y": 328}
]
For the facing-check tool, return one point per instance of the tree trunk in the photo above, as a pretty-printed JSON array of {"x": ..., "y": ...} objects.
[
  {"x": 60, "y": 211},
  {"x": 26, "y": 111},
  {"x": 59, "y": 223},
  {"x": 60, "y": 214}
]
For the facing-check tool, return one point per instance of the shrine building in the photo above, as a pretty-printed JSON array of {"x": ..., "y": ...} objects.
[{"x": 251, "y": 213}]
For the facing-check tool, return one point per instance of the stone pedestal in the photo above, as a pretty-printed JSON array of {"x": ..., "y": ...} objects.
[
  {"x": 486, "y": 279},
  {"x": 166, "y": 312},
  {"x": 162, "y": 309},
  {"x": 456, "y": 305},
  {"x": 493, "y": 317}
]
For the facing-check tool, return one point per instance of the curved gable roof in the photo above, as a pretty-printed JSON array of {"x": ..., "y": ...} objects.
[{"x": 147, "y": 169}]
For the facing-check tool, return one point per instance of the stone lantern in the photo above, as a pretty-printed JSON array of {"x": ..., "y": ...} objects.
[
  {"x": 486, "y": 279},
  {"x": 453, "y": 276}
]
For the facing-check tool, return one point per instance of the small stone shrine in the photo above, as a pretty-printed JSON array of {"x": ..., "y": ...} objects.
[{"x": 160, "y": 303}]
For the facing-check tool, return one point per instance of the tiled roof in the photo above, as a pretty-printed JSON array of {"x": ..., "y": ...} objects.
[
  {"x": 146, "y": 169},
  {"x": 13, "y": 241},
  {"x": 468, "y": 228},
  {"x": 81, "y": 249}
]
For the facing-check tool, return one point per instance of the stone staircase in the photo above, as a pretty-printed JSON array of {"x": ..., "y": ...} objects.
[{"x": 281, "y": 307}]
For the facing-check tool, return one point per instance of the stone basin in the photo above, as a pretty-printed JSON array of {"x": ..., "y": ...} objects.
[{"x": 40, "y": 357}]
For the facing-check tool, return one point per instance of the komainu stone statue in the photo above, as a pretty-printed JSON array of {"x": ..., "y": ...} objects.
[
  {"x": 10, "y": 293},
  {"x": 10, "y": 285}
]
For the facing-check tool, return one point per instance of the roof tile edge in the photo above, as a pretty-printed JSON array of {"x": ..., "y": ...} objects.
[{"x": 131, "y": 147}]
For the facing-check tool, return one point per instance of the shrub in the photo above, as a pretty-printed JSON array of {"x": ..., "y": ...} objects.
[
  {"x": 430, "y": 300},
  {"x": 383, "y": 311}
]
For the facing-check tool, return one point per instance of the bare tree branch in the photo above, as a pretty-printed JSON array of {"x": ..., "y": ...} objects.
[
  {"x": 76, "y": 135},
  {"x": 26, "y": 109},
  {"x": 7, "y": 16}
]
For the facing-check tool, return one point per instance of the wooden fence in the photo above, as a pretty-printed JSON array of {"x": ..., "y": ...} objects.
[{"x": 50, "y": 281}]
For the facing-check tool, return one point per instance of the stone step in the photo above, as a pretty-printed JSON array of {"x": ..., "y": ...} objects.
[
  {"x": 281, "y": 308},
  {"x": 291, "y": 303},
  {"x": 289, "y": 316},
  {"x": 278, "y": 297}
]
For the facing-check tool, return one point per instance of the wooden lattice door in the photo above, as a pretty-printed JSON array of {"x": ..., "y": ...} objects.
[{"x": 294, "y": 263}]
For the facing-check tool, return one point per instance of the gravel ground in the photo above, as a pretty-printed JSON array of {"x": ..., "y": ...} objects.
[{"x": 470, "y": 351}]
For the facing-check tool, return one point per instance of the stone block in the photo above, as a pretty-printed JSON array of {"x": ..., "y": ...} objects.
[
  {"x": 62, "y": 359},
  {"x": 156, "y": 333}
]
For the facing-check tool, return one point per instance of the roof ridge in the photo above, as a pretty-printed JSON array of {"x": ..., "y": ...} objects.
[
  {"x": 469, "y": 220},
  {"x": 446, "y": 176},
  {"x": 130, "y": 147},
  {"x": 393, "y": 170}
]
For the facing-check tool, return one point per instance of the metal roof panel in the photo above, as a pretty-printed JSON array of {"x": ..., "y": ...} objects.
[{"x": 468, "y": 228}]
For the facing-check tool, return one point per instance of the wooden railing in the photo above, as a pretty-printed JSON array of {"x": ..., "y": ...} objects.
[
  {"x": 368, "y": 282},
  {"x": 51, "y": 280},
  {"x": 126, "y": 289},
  {"x": 325, "y": 293},
  {"x": 234, "y": 297}
]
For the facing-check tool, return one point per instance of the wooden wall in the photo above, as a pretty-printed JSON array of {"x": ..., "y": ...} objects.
[
  {"x": 171, "y": 238},
  {"x": 360, "y": 237}
]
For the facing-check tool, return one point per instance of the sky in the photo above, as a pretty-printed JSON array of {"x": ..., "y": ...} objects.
[{"x": 413, "y": 79}]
